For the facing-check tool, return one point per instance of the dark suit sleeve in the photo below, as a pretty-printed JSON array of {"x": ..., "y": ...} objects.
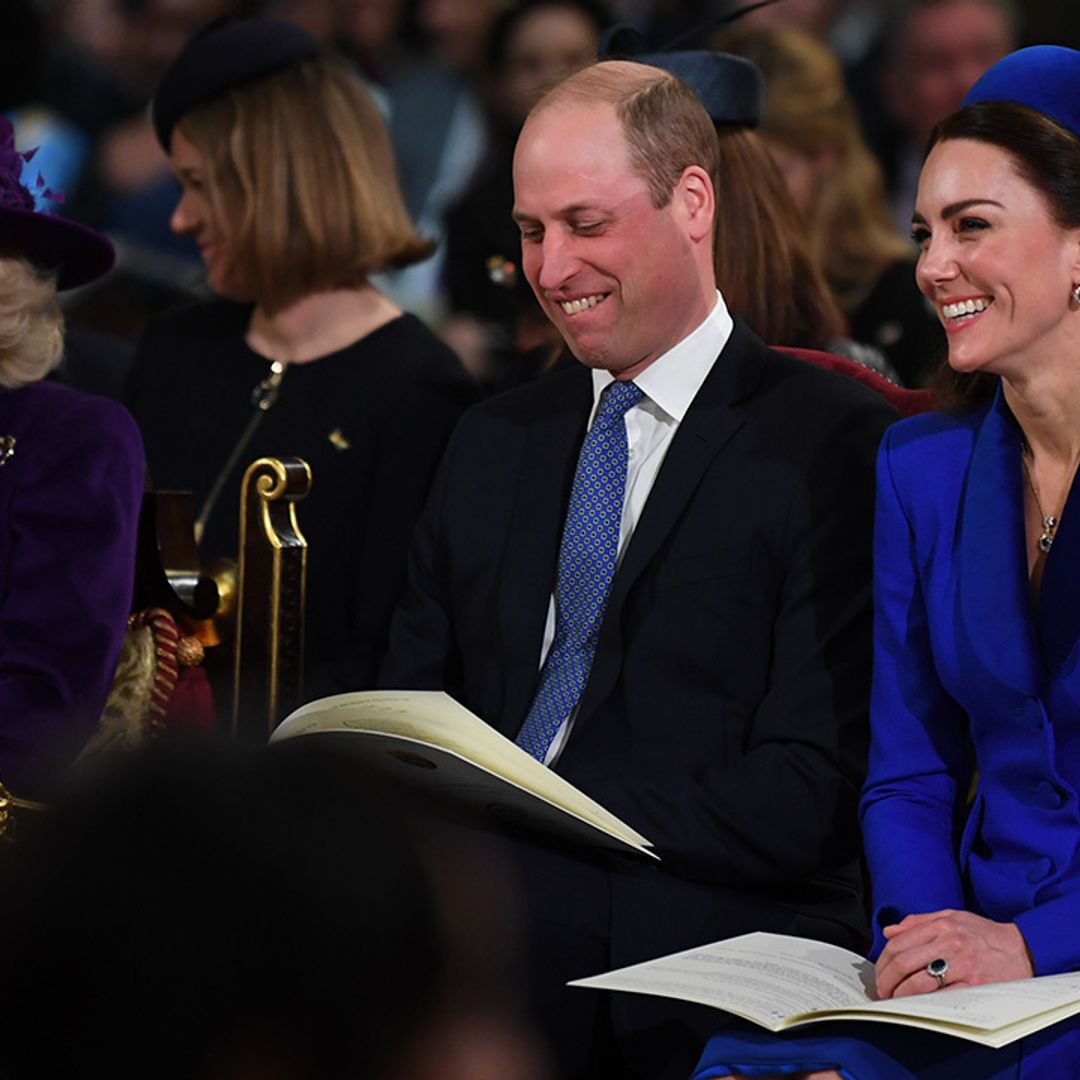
[
  {"x": 771, "y": 798},
  {"x": 423, "y": 652},
  {"x": 68, "y": 577}
]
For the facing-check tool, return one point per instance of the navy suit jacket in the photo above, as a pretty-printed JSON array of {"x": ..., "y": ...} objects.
[
  {"x": 725, "y": 714},
  {"x": 965, "y": 660}
]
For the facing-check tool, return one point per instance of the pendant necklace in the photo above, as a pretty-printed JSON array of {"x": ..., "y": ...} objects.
[{"x": 1049, "y": 521}]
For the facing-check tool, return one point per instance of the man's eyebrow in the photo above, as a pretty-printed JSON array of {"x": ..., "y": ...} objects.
[{"x": 563, "y": 214}]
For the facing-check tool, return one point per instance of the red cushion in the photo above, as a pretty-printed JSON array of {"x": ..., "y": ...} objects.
[{"x": 908, "y": 402}]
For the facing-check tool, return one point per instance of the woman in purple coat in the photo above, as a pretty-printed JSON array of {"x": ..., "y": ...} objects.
[{"x": 71, "y": 478}]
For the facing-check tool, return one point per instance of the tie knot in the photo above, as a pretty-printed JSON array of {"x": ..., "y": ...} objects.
[{"x": 616, "y": 399}]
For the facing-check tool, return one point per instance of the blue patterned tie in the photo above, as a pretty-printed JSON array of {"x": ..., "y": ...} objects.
[{"x": 590, "y": 543}]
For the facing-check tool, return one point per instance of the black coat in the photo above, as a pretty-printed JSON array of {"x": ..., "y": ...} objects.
[{"x": 371, "y": 420}]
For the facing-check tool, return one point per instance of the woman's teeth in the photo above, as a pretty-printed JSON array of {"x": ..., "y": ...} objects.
[{"x": 964, "y": 307}]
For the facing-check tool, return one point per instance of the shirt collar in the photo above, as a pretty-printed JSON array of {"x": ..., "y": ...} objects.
[{"x": 673, "y": 379}]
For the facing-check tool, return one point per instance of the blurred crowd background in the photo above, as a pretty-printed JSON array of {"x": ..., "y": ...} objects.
[{"x": 455, "y": 79}]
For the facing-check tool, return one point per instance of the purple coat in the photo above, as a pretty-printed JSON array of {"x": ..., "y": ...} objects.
[{"x": 69, "y": 509}]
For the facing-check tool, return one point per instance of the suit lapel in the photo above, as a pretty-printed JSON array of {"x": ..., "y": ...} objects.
[
  {"x": 550, "y": 452},
  {"x": 709, "y": 424},
  {"x": 995, "y": 601}
]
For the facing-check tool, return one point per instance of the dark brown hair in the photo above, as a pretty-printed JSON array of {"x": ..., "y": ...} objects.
[
  {"x": 762, "y": 253},
  {"x": 1044, "y": 154}
]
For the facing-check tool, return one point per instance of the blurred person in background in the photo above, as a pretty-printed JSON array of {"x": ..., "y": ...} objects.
[
  {"x": 129, "y": 189},
  {"x": 494, "y": 316},
  {"x": 435, "y": 101},
  {"x": 812, "y": 132},
  {"x": 288, "y": 188},
  {"x": 935, "y": 50}
]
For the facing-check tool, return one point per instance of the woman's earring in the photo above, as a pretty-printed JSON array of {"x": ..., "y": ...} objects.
[{"x": 1076, "y": 293}]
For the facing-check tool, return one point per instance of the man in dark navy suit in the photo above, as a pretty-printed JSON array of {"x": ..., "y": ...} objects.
[{"x": 701, "y": 668}]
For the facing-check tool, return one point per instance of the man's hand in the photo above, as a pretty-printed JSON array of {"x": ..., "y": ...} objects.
[{"x": 977, "y": 950}]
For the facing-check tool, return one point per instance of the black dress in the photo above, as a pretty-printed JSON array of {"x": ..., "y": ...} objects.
[{"x": 371, "y": 421}]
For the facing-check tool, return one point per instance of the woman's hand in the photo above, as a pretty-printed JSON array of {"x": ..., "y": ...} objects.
[{"x": 977, "y": 950}]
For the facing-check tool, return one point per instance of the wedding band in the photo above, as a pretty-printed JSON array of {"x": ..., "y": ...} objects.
[{"x": 939, "y": 968}]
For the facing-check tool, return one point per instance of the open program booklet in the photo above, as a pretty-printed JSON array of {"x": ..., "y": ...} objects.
[
  {"x": 425, "y": 737},
  {"x": 783, "y": 982}
]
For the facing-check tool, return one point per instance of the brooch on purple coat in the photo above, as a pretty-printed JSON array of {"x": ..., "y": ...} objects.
[{"x": 7, "y": 449}]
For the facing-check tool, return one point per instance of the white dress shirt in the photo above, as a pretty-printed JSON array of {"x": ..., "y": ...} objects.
[{"x": 669, "y": 384}]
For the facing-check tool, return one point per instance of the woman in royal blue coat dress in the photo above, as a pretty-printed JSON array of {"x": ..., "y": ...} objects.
[{"x": 971, "y": 811}]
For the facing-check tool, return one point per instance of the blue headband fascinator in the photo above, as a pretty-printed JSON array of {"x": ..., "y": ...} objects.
[{"x": 1042, "y": 77}]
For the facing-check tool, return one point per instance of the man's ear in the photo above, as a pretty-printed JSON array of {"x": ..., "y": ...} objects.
[{"x": 696, "y": 201}]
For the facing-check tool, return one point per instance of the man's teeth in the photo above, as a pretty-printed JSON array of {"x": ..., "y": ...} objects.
[
  {"x": 964, "y": 307},
  {"x": 572, "y": 307}
]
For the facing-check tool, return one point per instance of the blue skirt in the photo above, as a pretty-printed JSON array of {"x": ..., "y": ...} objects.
[{"x": 872, "y": 1051}]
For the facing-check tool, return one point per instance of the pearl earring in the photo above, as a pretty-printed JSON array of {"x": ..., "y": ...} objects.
[{"x": 1076, "y": 293}]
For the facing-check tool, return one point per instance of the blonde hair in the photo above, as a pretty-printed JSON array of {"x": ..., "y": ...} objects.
[
  {"x": 665, "y": 125},
  {"x": 807, "y": 109},
  {"x": 302, "y": 182},
  {"x": 31, "y": 325}
]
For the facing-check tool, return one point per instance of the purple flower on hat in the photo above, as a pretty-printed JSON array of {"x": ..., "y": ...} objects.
[
  {"x": 76, "y": 253},
  {"x": 13, "y": 196}
]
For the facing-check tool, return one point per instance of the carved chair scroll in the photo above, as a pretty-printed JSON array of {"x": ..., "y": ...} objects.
[{"x": 268, "y": 663}]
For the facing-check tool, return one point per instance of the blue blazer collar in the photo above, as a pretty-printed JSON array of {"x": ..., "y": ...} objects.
[
  {"x": 1017, "y": 644},
  {"x": 995, "y": 598}
]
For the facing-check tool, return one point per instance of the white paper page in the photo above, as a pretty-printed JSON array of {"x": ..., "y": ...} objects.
[
  {"x": 991, "y": 1006},
  {"x": 763, "y": 977},
  {"x": 769, "y": 978}
]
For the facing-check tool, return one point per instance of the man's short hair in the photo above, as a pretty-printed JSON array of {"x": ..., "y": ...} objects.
[{"x": 665, "y": 125}]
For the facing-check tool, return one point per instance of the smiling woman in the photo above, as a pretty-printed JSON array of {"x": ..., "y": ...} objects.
[
  {"x": 289, "y": 188},
  {"x": 977, "y": 599}
]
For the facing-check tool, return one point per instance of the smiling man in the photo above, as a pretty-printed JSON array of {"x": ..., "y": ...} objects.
[{"x": 652, "y": 572}]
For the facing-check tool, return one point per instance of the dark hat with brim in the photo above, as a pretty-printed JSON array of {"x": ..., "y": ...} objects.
[
  {"x": 225, "y": 54},
  {"x": 76, "y": 253},
  {"x": 1042, "y": 77},
  {"x": 731, "y": 88}
]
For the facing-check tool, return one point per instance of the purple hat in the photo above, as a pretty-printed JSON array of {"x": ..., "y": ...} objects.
[
  {"x": 1042, "y": 77},
  {"x": 77, "y": 254}
]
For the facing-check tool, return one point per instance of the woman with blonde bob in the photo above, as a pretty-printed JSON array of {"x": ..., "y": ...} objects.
[
  {"x": 71, "y": 479},
  {"x": 288, "y": 188},
  {"x": 811, "y": 129}
]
